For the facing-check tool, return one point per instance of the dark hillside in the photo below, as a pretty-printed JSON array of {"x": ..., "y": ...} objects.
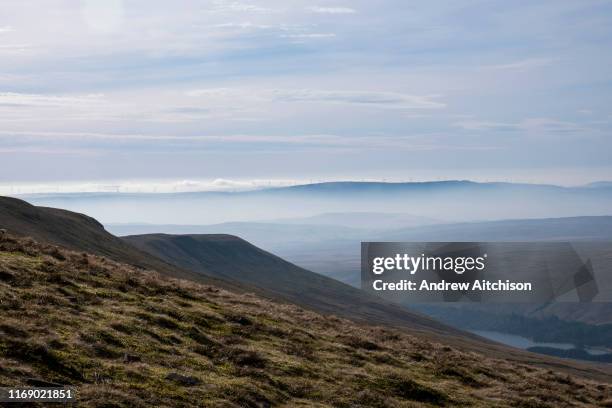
[
  {"x": 80, "y": 233},
  {"x": 231, "y": 258}
]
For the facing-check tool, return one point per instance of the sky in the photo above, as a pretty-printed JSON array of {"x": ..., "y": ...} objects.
[{"x": 152, "y": 95}]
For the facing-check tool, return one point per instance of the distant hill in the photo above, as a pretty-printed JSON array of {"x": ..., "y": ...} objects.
[
  {"x": 362, "y": 220},
  {"x": 339, "y": 257},
  {"x": 125, "y": 337},
  {"x": 269, "y": 235},
  {"x": 335, "y": 250},
  {"x": 452, "y": 201},
  {"x": 582, "y": 228},
  {"x": 601, "y": 184}
]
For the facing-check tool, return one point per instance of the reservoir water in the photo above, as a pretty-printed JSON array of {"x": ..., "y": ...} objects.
[{"x": 524, "y": 343}]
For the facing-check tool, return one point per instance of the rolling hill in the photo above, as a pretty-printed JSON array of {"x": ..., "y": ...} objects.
[
  {"x": 222, "y": 260},
  {"x": 215, "y": 259},
  {"x": 78, "y": 232},
  {"x": 334, "y": 250},
  {"x": 127, "y": 337},
  {"x": 231, "y": 258}
]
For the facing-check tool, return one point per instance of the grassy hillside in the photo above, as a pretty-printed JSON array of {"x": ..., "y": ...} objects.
[
  {"x": 243, "y": 266},
  {"x": 77, "y": 231},
  {"x": 130, "y": 337},
  {"x": 231, "y": 258}
]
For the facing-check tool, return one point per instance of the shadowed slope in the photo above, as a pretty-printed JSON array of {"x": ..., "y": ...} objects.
[
  {"x": 80, "y": 233},
  {"x": 230, "y": 257}
]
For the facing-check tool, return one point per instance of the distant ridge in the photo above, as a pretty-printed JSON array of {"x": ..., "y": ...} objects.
[
  {"x": 551, "y": 229},
  {"x": 600, "y": 184},
  {"x": 372, "y": 186},
  {"x": 332, "y": 186},
  {"x": 457, "y": 200}
]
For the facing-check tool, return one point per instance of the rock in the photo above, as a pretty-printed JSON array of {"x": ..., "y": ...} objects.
[
  {"x": 185, "y": 380},
  {"x": 130, "y": 358}
]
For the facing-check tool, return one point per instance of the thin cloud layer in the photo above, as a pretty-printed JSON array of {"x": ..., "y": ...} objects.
[
  {"x": 333, "y": 10},
  {"x": 240, "y": 89}
]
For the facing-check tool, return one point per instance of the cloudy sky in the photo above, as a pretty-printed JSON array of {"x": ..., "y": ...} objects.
[{"x": 163, "y": 92}]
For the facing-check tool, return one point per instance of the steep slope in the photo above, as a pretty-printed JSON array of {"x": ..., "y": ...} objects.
[
  {"x": 143, "y": 341},
  {"x": 78, "y": 232},
  {"x": 232, "y": 258}
]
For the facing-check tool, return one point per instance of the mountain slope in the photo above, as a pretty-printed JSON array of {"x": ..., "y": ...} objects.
[
  {"x": 327, "y": 296},
  {"x": 229, "y": 257},
  {"x": 223, "y": 257},
  {"x": 147, "y": 341},
  {"x": 78, "y": 232}
]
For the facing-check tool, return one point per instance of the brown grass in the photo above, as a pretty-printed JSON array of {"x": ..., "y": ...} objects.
[{"x": 127, "y": 337}]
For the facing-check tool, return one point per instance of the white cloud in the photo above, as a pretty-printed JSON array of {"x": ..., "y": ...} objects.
[
  {"x": 23, "y": 99},
  {"x": 244, "y": 25},
  {"x": 486, "y": 125},
  {"x": 314, "y": 139},
  {"x": 309, "y": 35},
  {"x": 522, "y": 65},
  {"x": 333, "y": 10},
  {"x": 105, "y": 16},
  {"x": 380, "y": 99},
  {"x": 362, "y": 82},
  {"x": 372, "y": 98},
  {"x": 224, "y": 6},
  {"x": 144, "y": 186},
  {"x": 14, "y": 48},
  {"x": 534, "y": 126},
  {"x": 96, "y": 142}
]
